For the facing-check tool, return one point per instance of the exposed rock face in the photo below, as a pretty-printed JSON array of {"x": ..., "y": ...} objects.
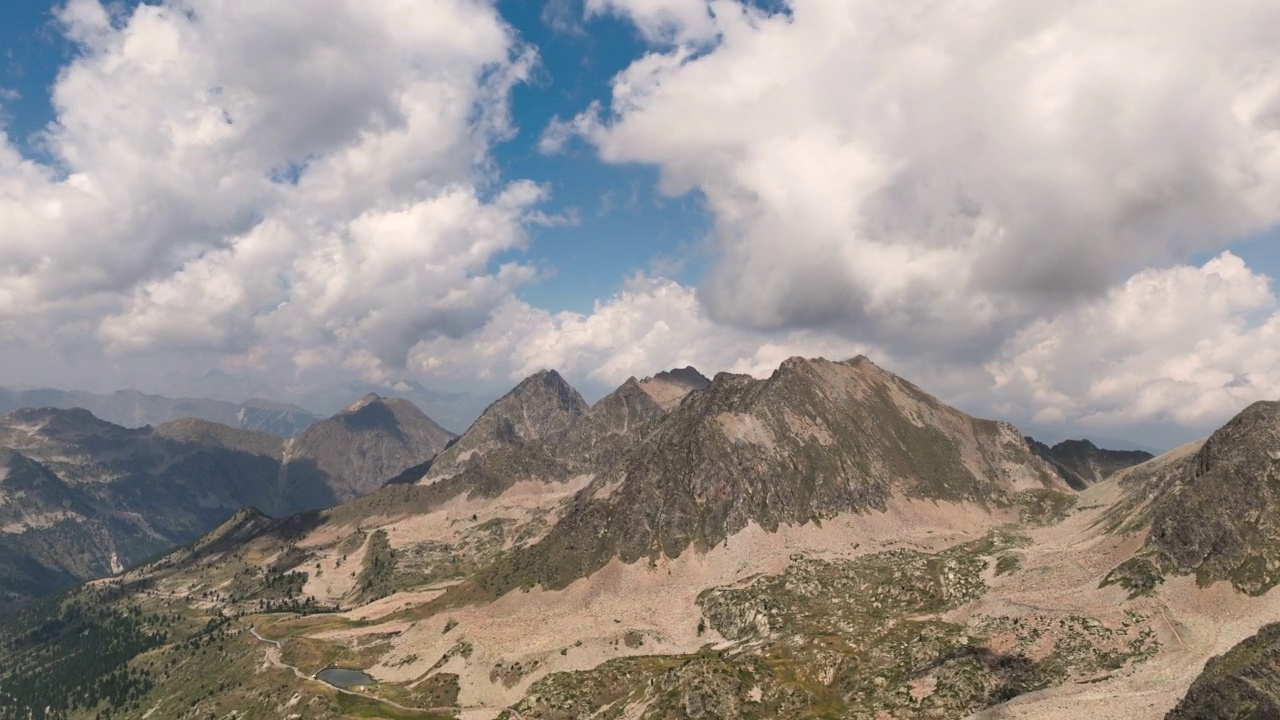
[
  {"x": 357, "y": 450},
  {"x": 81, "y": 497},
  {"x": 130, "y": 408},
  {"x": 542, "y": 404},
  {"x": 595, "y": 440},
  {"x": 615, "y": 423},
  {"x": 1243, "y": 683},
  {"x": 1216, "y": 513},
  {"x": 815, "y": 439},
  {"x": 1081, "y": 463}
]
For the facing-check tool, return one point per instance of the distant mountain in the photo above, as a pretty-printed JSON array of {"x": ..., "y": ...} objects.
[
  {"x": 81, "y": 497},
  {"x": 359, "y": 449},
  {"x": 668, "y": 388},
  {"x": 1083, "y": 464},
  {"x": 130, "y": 408},
  {"x": 454, "y": 411}
]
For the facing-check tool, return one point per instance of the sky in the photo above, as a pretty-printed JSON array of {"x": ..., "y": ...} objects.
[{"x": 1062, "y": 213}]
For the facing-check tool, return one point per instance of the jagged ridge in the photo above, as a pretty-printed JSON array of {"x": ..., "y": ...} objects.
[{"x": 815, "y": 439}]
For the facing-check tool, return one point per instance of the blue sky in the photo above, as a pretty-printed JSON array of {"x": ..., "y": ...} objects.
[{"x": 1063, "y": 215}]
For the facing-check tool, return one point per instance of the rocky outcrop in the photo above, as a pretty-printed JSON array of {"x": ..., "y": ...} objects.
[
  {"x": 1215, "y": 513},
  {"x": 1243, "y": 683}
]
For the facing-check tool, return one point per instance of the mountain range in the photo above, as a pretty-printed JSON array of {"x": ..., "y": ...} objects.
[
  {"x": 830, "y": 541},
  {"x": 81, "y": 498},
  {"x": 130, "y": 408}
]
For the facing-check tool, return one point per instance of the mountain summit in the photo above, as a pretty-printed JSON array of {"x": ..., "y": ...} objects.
[
  {"x": 816, "y": 439},
  {"x": 357, "y": 450},
  {"x": 541, "y": 405}
]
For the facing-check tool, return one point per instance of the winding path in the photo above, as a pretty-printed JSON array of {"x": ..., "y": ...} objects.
[{"x": 1174, "y": 630}]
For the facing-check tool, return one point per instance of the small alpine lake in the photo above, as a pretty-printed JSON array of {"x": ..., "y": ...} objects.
[{"x": 344, "y": 677}]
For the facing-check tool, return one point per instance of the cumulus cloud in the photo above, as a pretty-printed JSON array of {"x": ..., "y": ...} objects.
[
  {"x": 241, "y": 177},
  {"x": 651, "y": 324},
  {"x": 933, "y": 175},
  {"x": 1185, "y": 345}
]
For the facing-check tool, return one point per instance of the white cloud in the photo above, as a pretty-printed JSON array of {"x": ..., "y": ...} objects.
[
  {"x": 933, "y": 175},
  {"x": 651, "y": 324},
  {"x": 241, "y": 177},
  {"x": 973, "y": 194},
  {"x": 665, "y": 21},
  {"x": 1186, "y": 346}
]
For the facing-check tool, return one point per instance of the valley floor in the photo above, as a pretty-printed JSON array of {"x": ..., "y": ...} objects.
[{"x": 924, "y": 610}]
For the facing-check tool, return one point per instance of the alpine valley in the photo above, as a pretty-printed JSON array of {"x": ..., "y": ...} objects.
[{"x": 828, "y": 542}]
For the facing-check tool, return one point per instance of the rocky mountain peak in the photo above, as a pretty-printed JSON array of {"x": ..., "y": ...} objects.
[
  {"x": 541, "y": 405},
  {"x": 546, "y": 383},
  {"x": 357, "y": 450},
  {"x": 366, "y": 399},
  {"x": 797, "y": 363},
  {"x": 815, "y": 439},
  {"x": 669, "y": 387}
]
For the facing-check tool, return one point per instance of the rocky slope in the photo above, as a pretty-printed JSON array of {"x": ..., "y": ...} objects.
[
  {"x": 1082, "y": 463},
  {"x": 1214, "y": 512},
  {"x": 541, "y": 405},
  {"x": 816, "y": 439},
  {"x": 82, "y": 498},
  {"x": 130, "y": 408}
]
